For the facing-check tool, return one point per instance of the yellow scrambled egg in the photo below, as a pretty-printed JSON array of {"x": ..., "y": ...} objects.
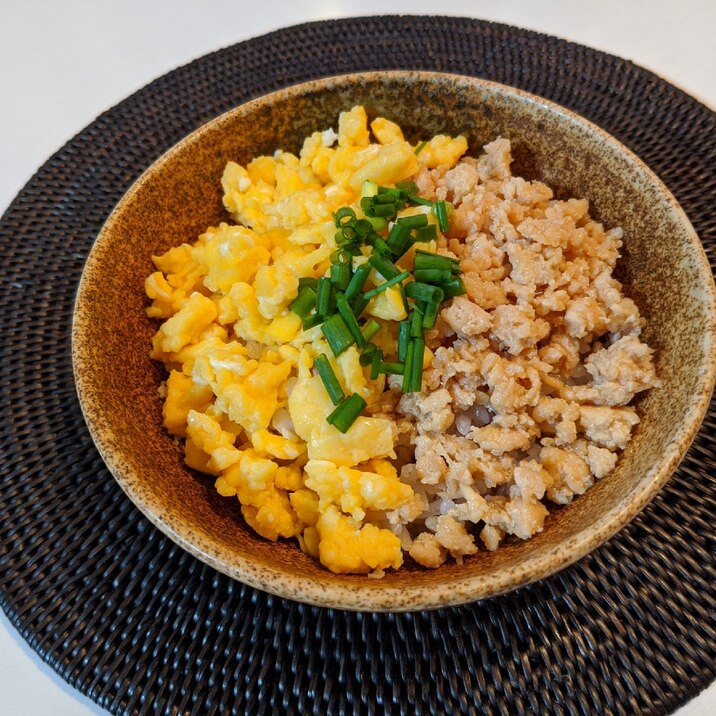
[{"x": 241, "y": 390}]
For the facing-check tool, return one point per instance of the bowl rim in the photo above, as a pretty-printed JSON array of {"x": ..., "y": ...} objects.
[{"x": 459, "y": 590}]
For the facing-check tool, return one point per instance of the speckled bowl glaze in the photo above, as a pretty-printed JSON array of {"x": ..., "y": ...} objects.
[{"x": 664, "y": 270}]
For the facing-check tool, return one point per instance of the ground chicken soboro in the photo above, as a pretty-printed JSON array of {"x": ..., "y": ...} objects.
[
  {"x": 527, "y": 380},
  {"x": 526, "y": 401}
]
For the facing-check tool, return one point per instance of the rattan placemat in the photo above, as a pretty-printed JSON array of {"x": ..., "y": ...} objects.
[{"x": 129, "y": 619}]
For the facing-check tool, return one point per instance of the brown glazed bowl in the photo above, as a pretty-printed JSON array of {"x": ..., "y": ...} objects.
[{"x": 664, "y": 269}]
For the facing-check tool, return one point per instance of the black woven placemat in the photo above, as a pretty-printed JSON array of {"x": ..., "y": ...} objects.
[{"x": 139, "y": 626}]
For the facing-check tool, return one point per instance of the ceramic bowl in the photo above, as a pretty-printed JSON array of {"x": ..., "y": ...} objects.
[{"x": 664, "y": 270}]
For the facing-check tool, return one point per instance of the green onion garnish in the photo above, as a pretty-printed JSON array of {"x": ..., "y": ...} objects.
[
  {"x": 453, "y": 288},
  {"x": 337, "y": 334},
  {"x": 341, "y": 256},
  {"x": 312, "y": 321},
  {"x": 387, "y": 191},
  {"x": 430, "y": 315},
  {"x": 303, "y": 304},
  {"x": 358, "y": 281},
  {"x": 363, "y": 227},
  {"x": 399, "y": 239},
  {"x": 333, "y": 387},
  {"x": 441, "y": 214},
  {"x": 323, "y": 297},
  {"x": 386, "y": 196},
  {"x": 407, "y": 187},
  {"x": 420, "y": 148},
  {"x": 376, "y": 359},
  {"x": 346, "y": 413},
  {"x": 307, "y": 281},
  {"x": 416, "y": 367},
  {"x": 426, "y": 233},
  {"x": 340, "y": 276},
  {"x": 408, "y": 369},
  {"x": 344, "y": 216},
  {"x": 427, "y": 260},
  {"x": 424, "y": 292},
  {"x": 358, "y": 304},
  {"x": 432, "y": 275},
  {"x": 416, "y": 221},
  {"x": 391, "y": 368},
  {"x": 367, "y": 354},
  {"x": 416, "y": 323},
  {"x": 403, "y": 339},
  {"x": 382, "y": 247},
  {"x": 387, "y": 284},
  {"x": 346, "y": 313},
  {"x": 414, "y": 199},
  {"x": 386, "y": 268},
  {"x": 371, "y": 329},
  {"x": 379, "y": 223}
]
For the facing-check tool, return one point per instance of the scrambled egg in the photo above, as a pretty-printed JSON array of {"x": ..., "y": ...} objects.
[{"x": 241, "y": 390}]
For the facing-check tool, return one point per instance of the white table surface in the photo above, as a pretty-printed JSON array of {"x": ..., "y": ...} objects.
[{"x": 62, "y": 63}]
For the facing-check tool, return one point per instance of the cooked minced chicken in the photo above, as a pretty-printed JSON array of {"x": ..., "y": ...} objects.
[{"x": 526, "y": 400}]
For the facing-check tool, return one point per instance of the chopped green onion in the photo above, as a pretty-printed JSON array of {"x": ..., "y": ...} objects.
[
  {"x": 367, "y": 355},
  {"x": 337, "y": 334},
  {"x": 381, "y": 210},
  {"x": 368, "y": 188},
  {"x": 430, "y": 315},
  {"x": 420, "y": 148},
  {"x": 358, "y": 281},
  {"x": 387, "y": 191},
  {"x": 407, "y": 187},
  {"x": 427, "y": 260},
  {"x": 424, "y": 292},
  {"x": 416, "y": 367},
  {"x": 350, "y": 320},
  {"x": 312, "y": 321},
  {"x": 346, "y": 413},
  {"x": 399, "y": 239},
  {"x": 340, "y": 276},
  {"x": 404, "y": 297},
  {"x": 386, "y": 268},
  {"x": 376, "y": 359},
  {"x": 408, "y": 369},
  {"x": 341, "y": 256},
  {"x": 323, "y": 297},
  {"x": 387, "y": 284},
  {"x": 416, "y": 221},
  {"x": 426, "y": 233},
  {"x": 377, "y": 222},
  {"x": 432, "y": 275},
  {"x": 333, "y": 387},
  {"x": 454, "y": 288},
  {"x": 441, "y": 214},
  {"x": 341, "y": 240},
  {"x": 371, "y": 329},
  {"x": 387, "y": 196},
  {"x": 349, "y": 234},
  {"x": 403, "y": 339},
  {"x": 414, "y": 199},
  {"x": 344, "y": 216},
  {"x": 358, "y": 304},
  {"x": 391, "y": 368},
  {"x": 416, "y": 323},
  {"x": 381, "y": 246},
  {"x": 363, "y": 227},
  {"x": 303, "y": 304},
  {"x": 307, "y": 281}
]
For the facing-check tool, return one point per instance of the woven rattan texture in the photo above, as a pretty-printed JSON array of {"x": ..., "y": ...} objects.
[{"x": 139, "y": 626}]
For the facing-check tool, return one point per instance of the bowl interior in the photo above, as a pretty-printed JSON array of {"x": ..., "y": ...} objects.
[{"x": 664, "y": 269}]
